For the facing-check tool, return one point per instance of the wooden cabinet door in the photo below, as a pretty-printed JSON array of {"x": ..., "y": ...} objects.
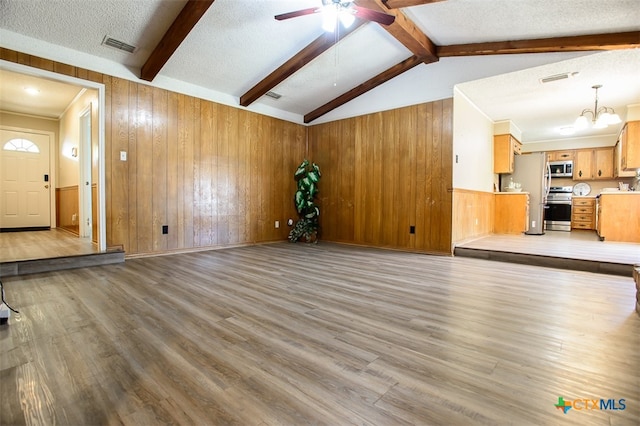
[
  {"x": 503, "y": 155},
  {"x": 630, "y": 138},
  {"x": 618, "y": 171},
  {"x": 603, "y": 163},
  {"x": 560, "y": 155},
  {"x": 583, "y": 164}
]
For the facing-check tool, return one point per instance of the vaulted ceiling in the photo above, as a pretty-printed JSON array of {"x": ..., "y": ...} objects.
[{"x": 235, "y": 52}]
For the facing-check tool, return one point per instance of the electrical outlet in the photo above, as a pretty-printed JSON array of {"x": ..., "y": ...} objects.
[
  {"x": 123, "y": 155},
  {"x": 533, "y": 223},
  {"x": 277, "y": 224},
  {"x": 412, "y": 229},
  {"x": 165, "y": 229}
]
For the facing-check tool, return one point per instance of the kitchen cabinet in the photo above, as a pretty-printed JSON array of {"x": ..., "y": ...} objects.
[
  {"x": 618, "y": 171},
  {"x": 617, "y": 216},
  {"x": 560, "y": 155},
  {"x": 583, "y": 213},
  {"x": 511, "y": 213},
  {"x": 593, "y": 164},
  {"x": 630, "y": 146},
  {"x": 505, "y": 147}
]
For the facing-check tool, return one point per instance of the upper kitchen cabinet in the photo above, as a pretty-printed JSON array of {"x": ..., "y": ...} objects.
[
  {"x": 593, "y": 164},
  {"x": 630, "y": 146},
  {"x": 618, "y": 171},
  {"x": 560, "y": 155},
  {"x": 505, "y": 147}
]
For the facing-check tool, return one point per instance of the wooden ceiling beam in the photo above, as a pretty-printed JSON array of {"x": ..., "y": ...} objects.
[
  {"x": 397, "y": 4},
  {"x": 368, "y": 85},
  {"x": 299, "y": 60},
  {"x": 406, "y": 32},
  {"x": 188, "y": 17},
  {"x": 591, "y": 42}
]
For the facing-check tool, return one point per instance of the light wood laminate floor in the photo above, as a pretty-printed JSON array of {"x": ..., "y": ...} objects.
[
  {"x": 292, "y": 334},
  {"x": 46, "y": 244},
  {"x": 583, "y": 245}
]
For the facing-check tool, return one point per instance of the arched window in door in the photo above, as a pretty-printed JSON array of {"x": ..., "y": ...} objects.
[{"x": 24, "y": 145}]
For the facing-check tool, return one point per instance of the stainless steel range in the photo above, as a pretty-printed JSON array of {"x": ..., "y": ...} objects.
[{"x": 557, "y": 211}]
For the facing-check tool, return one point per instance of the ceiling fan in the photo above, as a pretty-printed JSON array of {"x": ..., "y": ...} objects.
[{"x": 344, "y": 11}]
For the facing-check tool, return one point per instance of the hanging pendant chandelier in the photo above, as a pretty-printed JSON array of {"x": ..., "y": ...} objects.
[{"x": 601, "y": 117}]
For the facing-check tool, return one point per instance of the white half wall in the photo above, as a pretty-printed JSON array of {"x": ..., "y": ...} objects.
[{"x": 472, "y": 146}]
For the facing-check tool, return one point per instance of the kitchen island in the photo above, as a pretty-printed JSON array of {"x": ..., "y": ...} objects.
[{"x": 618, "y": 216}]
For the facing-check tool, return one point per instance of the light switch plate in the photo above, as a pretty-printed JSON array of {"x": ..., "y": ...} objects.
[{"x": 123, "y": 155}]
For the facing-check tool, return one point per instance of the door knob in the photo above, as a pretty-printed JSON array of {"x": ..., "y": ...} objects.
[{"x": 46, "y": 186}]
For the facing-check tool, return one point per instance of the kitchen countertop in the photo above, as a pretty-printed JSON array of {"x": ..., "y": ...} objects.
[{"x": 620, "y": 193}]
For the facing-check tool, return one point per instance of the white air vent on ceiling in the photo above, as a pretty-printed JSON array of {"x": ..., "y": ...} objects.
[
  {"x": 557, "y": 77},
  {"x": 273, "y": 95},
  {"x": 117, "y": 44}
]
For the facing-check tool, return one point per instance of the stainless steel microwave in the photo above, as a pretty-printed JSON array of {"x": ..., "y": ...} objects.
[{"x": 561, "y": 168}]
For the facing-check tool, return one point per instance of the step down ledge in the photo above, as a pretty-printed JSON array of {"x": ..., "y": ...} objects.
[{"x": 36, "y": 266}]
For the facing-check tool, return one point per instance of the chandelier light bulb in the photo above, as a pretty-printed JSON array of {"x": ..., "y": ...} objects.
[
  {"x": 614, "y": 119},
  {"x": 581, "y": 123},
  {"x": 599, "y": 124}
]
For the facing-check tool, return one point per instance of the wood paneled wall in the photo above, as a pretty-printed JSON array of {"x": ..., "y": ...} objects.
[
  {"x": 67, "y": 205},
  {"x": 216, "y": 175},
  {"x": 385, "y": 172},
  {"x": 473, "y": 214}
]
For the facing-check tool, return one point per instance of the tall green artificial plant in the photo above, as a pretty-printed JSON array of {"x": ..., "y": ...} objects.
[{"x": 307, "y": 177}]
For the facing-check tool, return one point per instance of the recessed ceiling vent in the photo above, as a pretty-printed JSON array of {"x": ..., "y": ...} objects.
[
  {"x": 557, "y": 77},
  {"x": 117, "y": 44},
  {"x": 273, "y": 95}
]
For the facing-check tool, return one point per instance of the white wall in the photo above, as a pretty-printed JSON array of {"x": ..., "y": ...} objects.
[
  {"x": 570, "y": 143},
  {"x": 68, "y": 171},
  {"x": 473, "y": 146}
]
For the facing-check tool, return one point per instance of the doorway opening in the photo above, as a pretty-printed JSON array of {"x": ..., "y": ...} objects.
[{"x": 91, "y": 155}]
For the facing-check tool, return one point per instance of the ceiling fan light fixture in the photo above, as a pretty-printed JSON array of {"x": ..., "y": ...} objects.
[
  {"x": 346, "y": 18},
  {"x": 329, "y": 18}
]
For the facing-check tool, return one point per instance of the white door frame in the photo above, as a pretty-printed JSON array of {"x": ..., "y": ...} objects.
[
  {"x": 84, "y": 175},
  {"x": 23, "y": 69}
]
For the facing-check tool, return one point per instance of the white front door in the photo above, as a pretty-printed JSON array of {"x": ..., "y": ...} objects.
[{"x": 24, "y": 180}]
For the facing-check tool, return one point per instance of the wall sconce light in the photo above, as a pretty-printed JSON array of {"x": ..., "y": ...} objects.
[{"x": 74, "y": 152}]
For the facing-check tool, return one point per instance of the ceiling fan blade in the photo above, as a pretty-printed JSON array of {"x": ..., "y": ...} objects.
[
  {"x": 297, "y": 13},
  {"x": 373, "y": 15}
]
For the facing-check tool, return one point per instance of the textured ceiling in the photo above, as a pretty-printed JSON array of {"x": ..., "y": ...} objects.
[{"x": 237, "y": 43}]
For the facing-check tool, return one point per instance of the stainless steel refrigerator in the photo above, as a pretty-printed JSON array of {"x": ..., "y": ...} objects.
[{"x": 532, "y": 172}]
